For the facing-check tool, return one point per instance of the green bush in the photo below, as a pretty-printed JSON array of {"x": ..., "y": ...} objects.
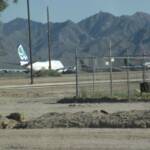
[
  {"x": 54, "y": 73},
  {"x": 45, "y": 73}
]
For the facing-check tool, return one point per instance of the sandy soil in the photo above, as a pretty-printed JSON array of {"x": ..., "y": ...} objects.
[
  {"x": 75, "y": 139},
  {"x": 35, "y": 102},
  {"x": 36, "y": 109}
]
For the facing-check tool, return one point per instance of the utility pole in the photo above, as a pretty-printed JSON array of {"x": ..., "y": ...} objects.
[
  {"x": 30, "y": 42},
  {"x": 49, "y": 46}
]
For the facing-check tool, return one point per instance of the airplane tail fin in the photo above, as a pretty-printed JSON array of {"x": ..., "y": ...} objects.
[{"x": 23, "y": 56}]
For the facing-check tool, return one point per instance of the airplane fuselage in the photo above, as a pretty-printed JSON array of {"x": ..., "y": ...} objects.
[{"x": 44, "y": 65}]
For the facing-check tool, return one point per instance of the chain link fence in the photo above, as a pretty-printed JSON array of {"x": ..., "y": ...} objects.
[{"x": 111, "y": 76}]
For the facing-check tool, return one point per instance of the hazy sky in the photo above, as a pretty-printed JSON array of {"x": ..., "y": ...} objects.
[{"x": 61, "y": 10}]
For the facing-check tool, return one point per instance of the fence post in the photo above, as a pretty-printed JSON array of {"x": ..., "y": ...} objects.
[
  {"x": 127, "y": 69},
  {"x": 93, "y": 63},
  {"x": 110, "y": 64},
  {"x": 77, "y": 80},
  {"x": 144, "y": 69}
]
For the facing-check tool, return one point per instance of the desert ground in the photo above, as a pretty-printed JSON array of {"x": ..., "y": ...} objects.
[
  {"x": 75, "y": 139},
  {"x": 34, "y": 101}
]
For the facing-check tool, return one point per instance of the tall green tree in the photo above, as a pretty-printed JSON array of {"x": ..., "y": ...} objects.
[{"x": 5, "y": 3}]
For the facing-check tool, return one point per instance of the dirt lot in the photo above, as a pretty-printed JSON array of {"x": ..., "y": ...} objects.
[
  {"x": 75, "y": 139},
  {"x": 34, "y": 102}
]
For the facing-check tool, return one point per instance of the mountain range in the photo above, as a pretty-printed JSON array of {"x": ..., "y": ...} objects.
[{"x": 90, "y": 37}]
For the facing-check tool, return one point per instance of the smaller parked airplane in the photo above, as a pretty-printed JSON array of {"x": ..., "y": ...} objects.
[
  {"x": 147, "y": 65},
  {"x": 39, "y": 65}
]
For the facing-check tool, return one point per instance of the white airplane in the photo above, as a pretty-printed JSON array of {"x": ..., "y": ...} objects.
[{"x": 39, "y": 65}]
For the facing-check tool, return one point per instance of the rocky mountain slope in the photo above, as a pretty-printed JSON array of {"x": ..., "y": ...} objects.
[{"x": 90, "y": 36}]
